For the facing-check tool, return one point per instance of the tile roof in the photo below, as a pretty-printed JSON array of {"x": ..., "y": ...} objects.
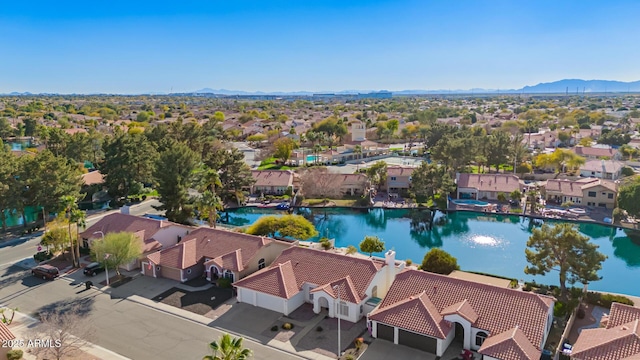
[
  {"x": 512, "y": 344},
  {"x": 610, "y": 166},
  {"x": 272, "y": 177},
  {"x": 92, "y": 178},
  {"x": 608, "y": 184},
  {"x": 418, "y": 307},
  {"x": 5, "y": 333},
  {"x": 346, "y": 288},
  {"x": 567, "y": 187},
  {"x": 399, "y": 171},
  {"x": 594, "y": 151},
  {"x": 614, "y": 343},
  {"x": 276, "y": 280},
  {"x": 118, "y": 222},
  {"x": 307, "y": 265},
  {"x": 622, "y": 314},
  {"x": 498, "y": 309},
  {"x": 489, "y": 182},
  {"x": 464, "y": 309},
  {"x": 229, "y": 249}
]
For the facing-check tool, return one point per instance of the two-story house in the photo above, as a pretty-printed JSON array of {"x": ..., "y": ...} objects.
[
  {"x": 271, "y": 182},
  {"x": 603, "y": 169},
  {"x": 399, "y": 180}
]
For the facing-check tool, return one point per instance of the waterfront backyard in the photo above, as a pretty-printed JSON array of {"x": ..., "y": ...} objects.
[{"x": 481, "y": 242}]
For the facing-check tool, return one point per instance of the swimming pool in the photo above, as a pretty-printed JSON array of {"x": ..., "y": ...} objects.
[
  {"x": 313, "y": 158},
  {"x": 470, "y": 202}
]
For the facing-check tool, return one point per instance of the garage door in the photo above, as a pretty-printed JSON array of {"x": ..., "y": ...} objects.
[
  {"x": 385, "y": 332},
  {"x": 417, "y": 341}
]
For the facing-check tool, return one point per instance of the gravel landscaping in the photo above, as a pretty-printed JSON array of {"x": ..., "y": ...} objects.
[{"x": 199, "y": 302}]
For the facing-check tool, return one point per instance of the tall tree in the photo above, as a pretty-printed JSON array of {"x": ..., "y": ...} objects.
[
  {"x": 377, "y": 173},
  {"x": 228, "y": 348},
  {"x": 129, "y": 159},
  {"x": 564, "y": 249},
  {"x": 235, "y": 174},
  {"x": 284, "y": 148},
  {"x": 8, "y": 173},
  {"x": 116, "y": 249},
  {"x": 174, "y": 176},
  {"x": 429, "y": 180},
  {"x": 208, "y": 205},
  {"x": 629, "y": 196}
]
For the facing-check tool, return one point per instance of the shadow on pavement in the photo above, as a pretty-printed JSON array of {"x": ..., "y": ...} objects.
[{"x": 82, "y": 306}]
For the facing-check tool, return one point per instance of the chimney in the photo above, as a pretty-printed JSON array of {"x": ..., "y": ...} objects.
[
  {"x": 125, "y": 209},
  {"x": 604, "y": 170},
  {"x": 390, "y": 258}
]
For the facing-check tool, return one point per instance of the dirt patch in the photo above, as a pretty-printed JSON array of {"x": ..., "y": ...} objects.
[
  {"x": 117, "y": 280},
  {"x": 60, "y": 262},
  {"x": 281, "y": 334},
  {"x": 199, "y": 302}
]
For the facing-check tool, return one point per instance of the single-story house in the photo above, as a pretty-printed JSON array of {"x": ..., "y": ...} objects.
[
  {"x": 617, "y": 338},
  {"x": 349, "y": 184},
  {"x": 585, "y": 192},
  {"x": 399, "y": 179},
  {"x": 486, "y": 186},
  {"x": 215, "y": 254},
  {"x": 430, "y": 311},
  {"x": 596, "y": 153},
  {"x": 603, "y": 169},
  {"x": 272, "y": 182},
  {"x": 153, "y": 234},
  {"x": 330, "y": 281},
  {"x": 5, "y": 337}
]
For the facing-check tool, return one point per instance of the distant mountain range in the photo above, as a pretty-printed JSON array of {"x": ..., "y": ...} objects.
[{"x": 570, "y": 86}]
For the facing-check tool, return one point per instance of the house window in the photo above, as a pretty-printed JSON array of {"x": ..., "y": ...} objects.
[
  {"x": 609, "y": 196},
  {"x": 481, "y": 336},
  {"x": 343, "y": 308},
  {"x": 393, "y": 178},
  {"x": 311, "y": 297},
  {"x": 229, "y": 275},
  {"x": 591, "y": 194},
  {"x": 261, "y": 264}
]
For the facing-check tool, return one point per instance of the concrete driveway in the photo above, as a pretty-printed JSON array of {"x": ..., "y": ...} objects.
[{"x": 383, "y": 350}]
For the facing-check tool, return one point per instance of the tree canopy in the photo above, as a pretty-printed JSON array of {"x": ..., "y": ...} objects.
[
  {"x": 439, "y": 261},
  {"x": 564, "y": 249},
  {"x": 629, "y": 196},
  {"x": 228, "y": 348},
  {"x": 116, "y": 249},
  {"x": 371, "y": 244},
  {"x": 293, "y": 226}
]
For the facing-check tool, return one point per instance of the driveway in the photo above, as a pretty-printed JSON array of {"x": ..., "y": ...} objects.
[{"x": 383, "y": 350}]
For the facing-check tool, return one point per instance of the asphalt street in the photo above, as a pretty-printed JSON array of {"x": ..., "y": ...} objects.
[{"x": 122, "y": 326}]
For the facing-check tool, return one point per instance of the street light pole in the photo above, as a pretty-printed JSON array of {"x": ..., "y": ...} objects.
[
  {"x": 337, "y": 290},
  {"x": 106, "y": 256}
]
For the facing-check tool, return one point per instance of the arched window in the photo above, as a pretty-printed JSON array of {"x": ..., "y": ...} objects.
[
  {"x": 261, "y": 264},
  {"x": 481, "y": 336}
]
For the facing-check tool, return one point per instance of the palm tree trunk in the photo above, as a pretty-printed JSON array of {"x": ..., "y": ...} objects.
[
  {"x": 77, "y": 246},
  {"x": 71, "y": 247}
]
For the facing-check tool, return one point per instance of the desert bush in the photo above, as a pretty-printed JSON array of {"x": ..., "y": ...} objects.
[
  {"x": 287, "y": 326},
  {"x": 274, "y": 328},
  {"x": 15, "y": 354}
]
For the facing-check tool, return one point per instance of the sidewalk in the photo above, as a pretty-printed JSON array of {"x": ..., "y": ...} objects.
[{"x": 23, "y": 328}]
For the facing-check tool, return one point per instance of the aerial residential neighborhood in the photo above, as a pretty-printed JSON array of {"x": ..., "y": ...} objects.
[{"x": 352, "y": 180}]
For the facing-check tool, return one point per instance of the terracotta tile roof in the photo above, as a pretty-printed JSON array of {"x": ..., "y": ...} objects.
[
  {"x": 118, "y": 222},
  {"x": 5, "y": 333},
  {"x": 305, "y": 264},
  {"x": 526, "y": 310},
  {"x": 610, "y": 166},
  {"x": 344, "y": 179},
  {"x": 614, "y": 343},
  {"x": 276, "y": 280},
  {"x": 567, "y": 187},
  {"x": 622, "y": 314},
  {"x": 594, "y": 151},
  {"x": 426, "y": 318},
  {"x": 463, "y": 308},
  {"x": 346, "y": 288},
  {"x": 489, "y": 182},
  {"x": 230, "y": 249},
  {"x": 607, "y": 184},
  {"x": 92, "y": 178},
  {"x": 272, "y": 177},
  {"x": 512, "y": 344},
  {"x": 399, "y": 171}
]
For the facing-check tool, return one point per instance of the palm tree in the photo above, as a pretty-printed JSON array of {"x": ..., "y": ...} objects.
[
  {"x": 208, "y": 205},
  {"x": 69, "y": 206},
  {"x": 358, "y": 151},
  {"x": 79, "y": 218},
  {"x": 228, "y": 348},
  {"x": 317, "y": 149}
]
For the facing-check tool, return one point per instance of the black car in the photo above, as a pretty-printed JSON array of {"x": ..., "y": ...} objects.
[{"x": 93, "y": 268}]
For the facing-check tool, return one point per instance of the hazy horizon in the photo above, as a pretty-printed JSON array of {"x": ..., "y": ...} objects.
[{"x": 328, "y": 46}]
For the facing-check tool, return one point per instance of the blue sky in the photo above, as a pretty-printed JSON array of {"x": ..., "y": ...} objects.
[{"x": 141, "y": 46}]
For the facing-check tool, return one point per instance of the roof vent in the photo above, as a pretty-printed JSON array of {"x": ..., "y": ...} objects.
[
  {"x": 435, "y": 289},
  {"x": 625, "y": 328}
]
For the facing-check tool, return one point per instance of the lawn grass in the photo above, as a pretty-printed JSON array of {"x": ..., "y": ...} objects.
[
  {"x": 270, "y": 164},
  {"x": 337, "y": 202}
]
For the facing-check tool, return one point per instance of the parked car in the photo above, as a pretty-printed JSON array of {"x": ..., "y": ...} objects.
[
  {"x": 93, "y": 268},
  {"x": 46, "y": 272}
]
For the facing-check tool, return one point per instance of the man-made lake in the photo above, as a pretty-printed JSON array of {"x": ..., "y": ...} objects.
[{"x": 480, "y": 242}]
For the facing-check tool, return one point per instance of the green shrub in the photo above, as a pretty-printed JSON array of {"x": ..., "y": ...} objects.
[
  {"x": 408, "y": 262},
  {"x": 15, "y": 354},
  {"x": 287, "y": 326},
  {"x": 274, "y": 328},
  {"x": 42, "y": 256},
  {"x": 224, "y": 283},
  {"x": 559, "y": 309},
  {"x": 326, "y": 243},
  {"x": 605, "y": 300},
  {"x": 581, "y": 313},
  {"x": 627, "y": 171},
  {"x": 351, "y": 250},
  {"x": 319, "y": 329}
]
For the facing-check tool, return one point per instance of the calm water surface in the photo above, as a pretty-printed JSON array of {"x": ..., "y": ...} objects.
[{"x": 491, "y": 244}]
